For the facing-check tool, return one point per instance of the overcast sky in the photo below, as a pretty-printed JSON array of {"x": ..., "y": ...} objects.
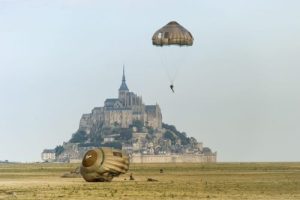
[{"x": 237, "y": 88}]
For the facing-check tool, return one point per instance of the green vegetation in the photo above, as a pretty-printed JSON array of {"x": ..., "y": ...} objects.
[
  {"x": 95, "y": 138},
  {"x": 79, "y": 137},
  {"x": 138, "y": 124},
  {"x": 58, "y": 150},
  {"x": 227, "y": 181},
  {"x": 125, "y": 134},
  {"x": 169, "y": 135},
  {"x": 181, "y": 135}
]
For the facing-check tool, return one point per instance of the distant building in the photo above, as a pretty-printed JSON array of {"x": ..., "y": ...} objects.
[
  {"x": 139, "y": 136},
  {"x": 110, "y": 138},
  {"x": 48, "y": 155},
  {"x": 122, "y": 111},
  {"x": 128, "y": 148}
]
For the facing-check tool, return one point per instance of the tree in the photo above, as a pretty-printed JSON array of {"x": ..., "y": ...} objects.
[
  {"x": 58, "y": 150},
  {"x": 169, "y": 127},
  {"x": 96, "y": 138},
  {"x": 116, "y": 124},
  {"x": 125, "y": 134},
  {"x": 138, "y": 124},
  {"x": 150, "y": 130},
  {"x": 169, "y": 135},
  {"x": 181, "y": 135},
  {"x": 79, "y": 137}
]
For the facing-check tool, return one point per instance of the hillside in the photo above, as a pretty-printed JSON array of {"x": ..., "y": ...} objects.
[{"x": 137, "y": 138}]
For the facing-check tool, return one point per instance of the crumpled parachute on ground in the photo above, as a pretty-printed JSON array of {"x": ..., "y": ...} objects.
[{"x": 103, "y": 164}]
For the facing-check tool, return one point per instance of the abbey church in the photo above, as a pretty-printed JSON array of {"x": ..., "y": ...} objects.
[
  {"x": 122, "y": 111},
  {"x": 127, "y": 123}
]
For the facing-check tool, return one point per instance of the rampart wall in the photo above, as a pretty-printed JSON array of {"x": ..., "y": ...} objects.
[{"x": 176, "y": 158}]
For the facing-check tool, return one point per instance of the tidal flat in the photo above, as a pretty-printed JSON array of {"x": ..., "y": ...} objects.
[{"x": 234, "y": 181}]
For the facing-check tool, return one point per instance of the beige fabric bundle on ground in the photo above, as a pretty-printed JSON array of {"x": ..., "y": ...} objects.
[{"x": 101, "y": 165}]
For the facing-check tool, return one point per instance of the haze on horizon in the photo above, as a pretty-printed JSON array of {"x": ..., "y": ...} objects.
[{"x": 238, "y": 91}]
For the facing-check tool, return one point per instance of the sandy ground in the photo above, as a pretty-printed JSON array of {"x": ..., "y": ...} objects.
[{"x": 180, "y": 181}]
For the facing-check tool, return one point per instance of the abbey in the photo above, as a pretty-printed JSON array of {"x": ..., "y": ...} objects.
[
  {"x": 127, "y": 123},
  {"x": 122, "y": 111}
]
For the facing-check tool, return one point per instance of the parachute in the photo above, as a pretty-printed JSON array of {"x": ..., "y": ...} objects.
[
  {"x": 170, "y": 37},
  {"x": 103, "y": 164},
  {"x": 172, "y": 34}
]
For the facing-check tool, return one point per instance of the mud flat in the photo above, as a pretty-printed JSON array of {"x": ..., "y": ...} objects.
[{"x": 175, "y": 181}]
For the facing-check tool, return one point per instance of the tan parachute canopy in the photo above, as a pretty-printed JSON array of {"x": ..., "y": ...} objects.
[
  {"x": 172, "y": 34},
  {"x": 101, "y": 165}
]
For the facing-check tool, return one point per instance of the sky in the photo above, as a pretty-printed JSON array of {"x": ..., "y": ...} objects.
[{"x": 237, "y": 89}]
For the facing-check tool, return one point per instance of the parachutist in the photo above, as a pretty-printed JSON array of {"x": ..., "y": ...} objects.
[{"x": 172, "y": 88}]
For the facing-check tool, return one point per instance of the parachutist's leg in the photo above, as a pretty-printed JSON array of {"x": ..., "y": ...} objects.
[{"x": 172, "y": 87}]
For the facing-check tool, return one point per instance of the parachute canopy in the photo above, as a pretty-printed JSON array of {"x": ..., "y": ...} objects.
[
  {"x": 172, "y": 34},
  {"x": 101, "y": 165}
]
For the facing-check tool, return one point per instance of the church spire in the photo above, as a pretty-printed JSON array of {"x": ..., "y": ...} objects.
[
  {"x": 123, "y": 78},
  {"x": 123, "y": 85}
]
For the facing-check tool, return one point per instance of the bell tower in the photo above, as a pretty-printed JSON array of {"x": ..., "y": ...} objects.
[{"x": 123, "y": 90}]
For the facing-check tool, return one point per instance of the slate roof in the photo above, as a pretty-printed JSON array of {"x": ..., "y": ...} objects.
[
  {"x": 110, "y": 102},
  {"x": 49, "y": 151},
  {"x": 150, "y": 108},
  {"x": 123, "y": 86}
]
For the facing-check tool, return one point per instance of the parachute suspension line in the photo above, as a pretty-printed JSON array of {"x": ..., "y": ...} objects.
[
  {"x": 166, "y": 67},
  {"x": 176, "y": 70},
  {"x": 161, "y": 53},
  {"x": 181, "y": 60},
  {"x": 177, "y": 62},
  {"x": 172, "y": 60}
]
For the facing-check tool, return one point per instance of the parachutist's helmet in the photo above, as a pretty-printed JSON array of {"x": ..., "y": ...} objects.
[
  {"x": 172, "y": 34},
  {"x": 103, "y": 164}
]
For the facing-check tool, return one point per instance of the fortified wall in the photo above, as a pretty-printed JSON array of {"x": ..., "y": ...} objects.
[{"x": 174, "y": 158}]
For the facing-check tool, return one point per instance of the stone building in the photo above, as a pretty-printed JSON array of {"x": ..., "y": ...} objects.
[
  {"x": 48, "y": 155},
  {"x": 122, "y": 111}
]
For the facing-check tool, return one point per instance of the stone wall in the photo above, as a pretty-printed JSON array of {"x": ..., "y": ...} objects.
[
  {"x": 122, "y": 117},
  {"x": 153, "y": 117},
  {"x": 85, "y": 123},
  {"x": 88, "y": 121},
  {"x": 176, "y": 158}
]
